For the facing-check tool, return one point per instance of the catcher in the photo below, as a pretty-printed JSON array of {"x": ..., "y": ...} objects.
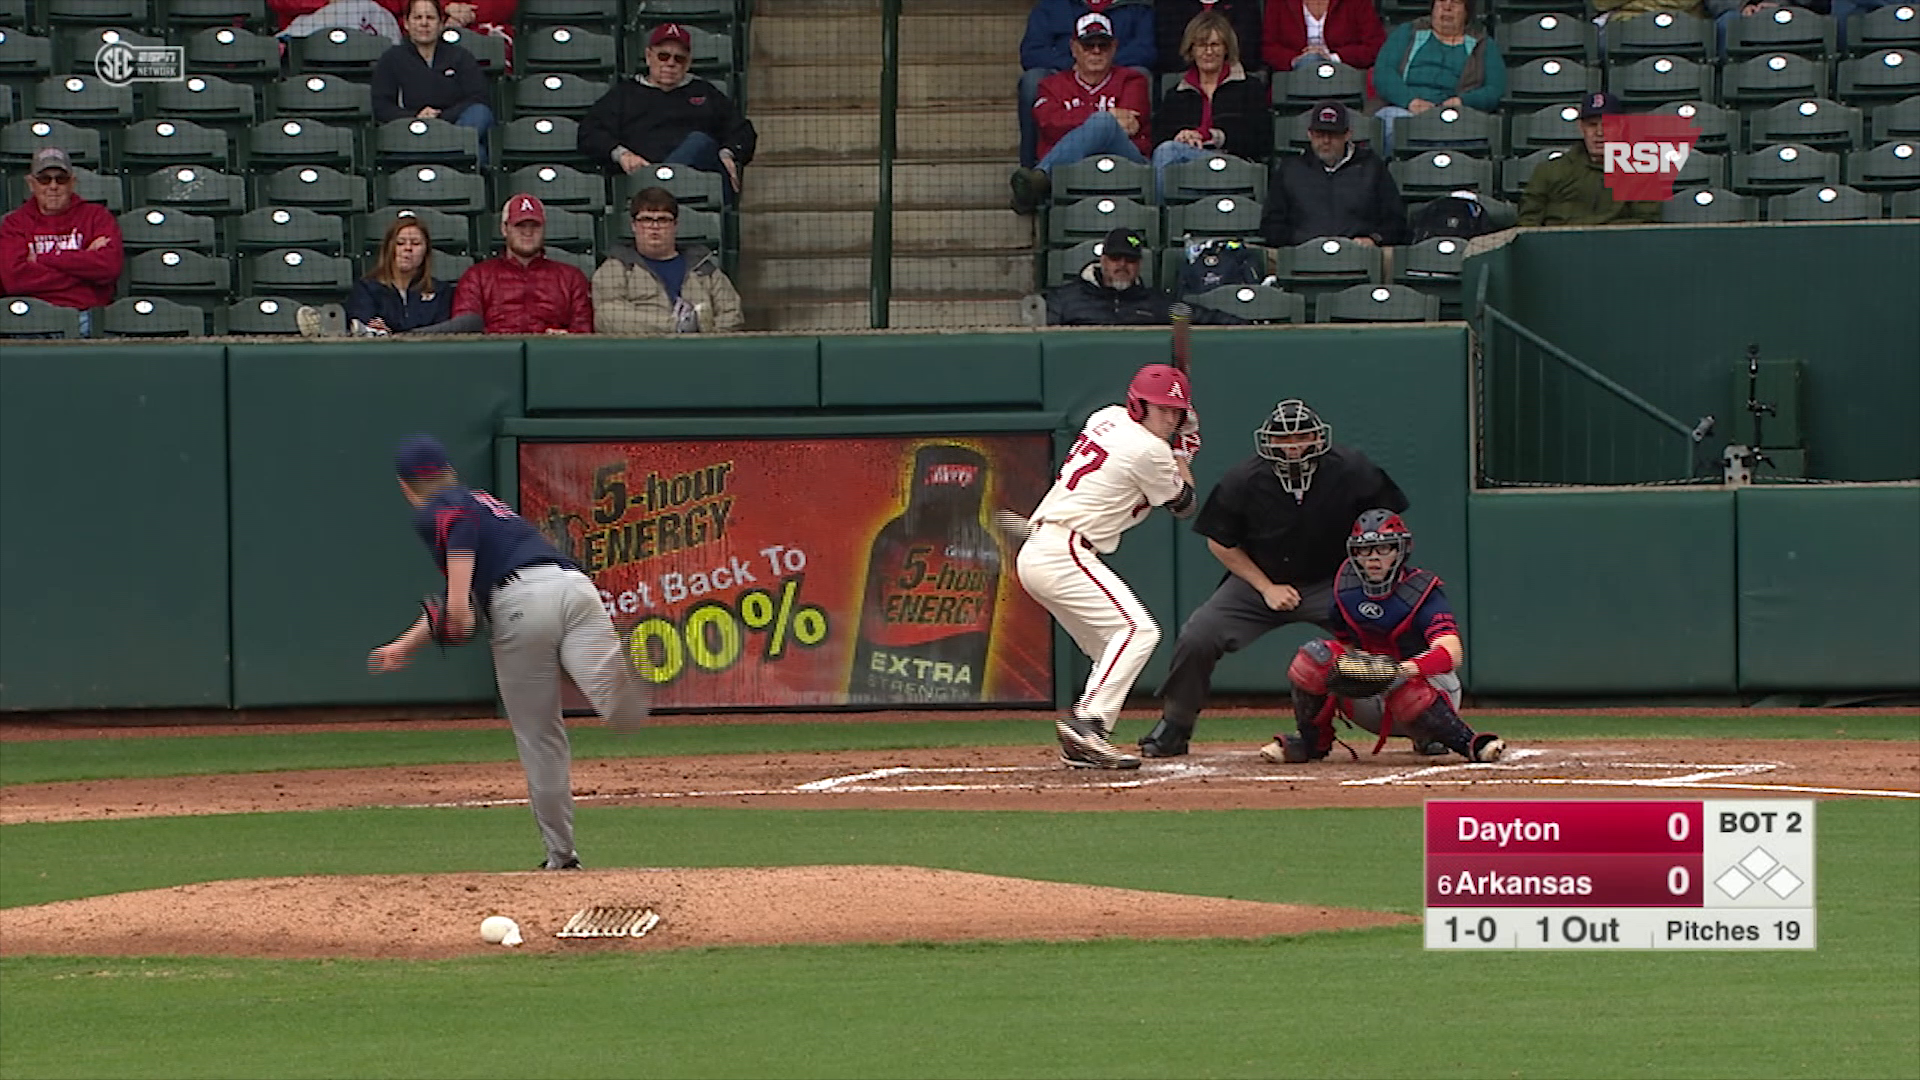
[{"x": 1389, "y": 667}]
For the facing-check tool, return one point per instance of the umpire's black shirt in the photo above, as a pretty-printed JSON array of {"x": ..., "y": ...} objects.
[{"x": 1296, "y": 542}]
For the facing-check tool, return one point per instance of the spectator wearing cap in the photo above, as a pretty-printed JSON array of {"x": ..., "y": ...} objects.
[
  {"x": 1097, "y": 108},
  {"x": 652, "y": 286},
  {"x": 300, "y": 18},
  {"x": 1333, "y": 188},
  {"x": 1215, "y": 107},
  {"x": 430, "y": 78},
  {"x": 520, "y": 290},
  {"x": 1303, "y": 32},
  {"x": 665, "y": 115},
  {"x": 1170, "y": 20},
  {"x": 1572, "y": 190},
  {"x": 57, "y": 246},
  {"x": 1046, "y": 49},
  {"x": 1109, "y": 291},
  {"x": 1435, "y": 60}
]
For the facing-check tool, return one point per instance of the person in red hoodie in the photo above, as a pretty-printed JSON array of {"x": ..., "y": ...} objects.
[
  {"x": 1309, "y": 31},
  {"x": 1097, "y": 108},
  {"x": 520, "y": 290},
  {"x": 57, "y": 246}
]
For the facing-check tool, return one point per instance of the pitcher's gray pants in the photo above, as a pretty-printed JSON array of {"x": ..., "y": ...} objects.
[{"x": 545, "y": 619}]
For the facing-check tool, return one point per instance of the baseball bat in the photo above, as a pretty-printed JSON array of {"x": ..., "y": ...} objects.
[{"x": 1182, "y": 317}]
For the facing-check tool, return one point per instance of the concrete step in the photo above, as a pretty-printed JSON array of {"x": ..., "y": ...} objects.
[
  {"x": 813, "y": 86},
  {"x": 854, "y": 36},
  {"x": 852, "y": 314},
  {"x": 815, "y": 232},
  {"x": 916, "y": 185},
  {"x": 914, "y": 276},
  {"x": 928, "y": 134}
]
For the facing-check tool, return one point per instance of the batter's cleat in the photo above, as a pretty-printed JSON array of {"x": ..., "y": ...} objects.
[
  {"x": 1488, "y": 747},
  {"x": 1084, "y": 746},
  {"x": 1290, "y": 750},
  {"x": 1165, "y": 740}
]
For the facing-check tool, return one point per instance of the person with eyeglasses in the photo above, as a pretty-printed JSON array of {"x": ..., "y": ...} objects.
[
  {"x": 666, "y": 115},
  {"x": 652, "y": 286},
  {"x": 57, "y": 246},
  {"x": 1099, "y": 107},
  {"x": 1046, "y": 49}
]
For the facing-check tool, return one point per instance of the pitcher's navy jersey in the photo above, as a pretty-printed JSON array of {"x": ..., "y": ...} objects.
[
  {"x": 1400, "y": 624},
  {"x": 462, "y": 520}
]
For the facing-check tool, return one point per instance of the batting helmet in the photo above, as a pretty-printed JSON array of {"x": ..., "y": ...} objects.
[
  {"x": 1157, "y": 384},
  {"x": 1374, "y": 528},
  {"x": 1292, "y": 417}
]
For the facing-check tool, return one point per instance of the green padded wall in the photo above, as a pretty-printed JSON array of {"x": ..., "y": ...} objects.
[
  {"x": 930, "y": 370},
  {"x": 696, "y": 371},
  {"x": 1618, "y": 592},
  {"x": 1829, "y": 588},
  {"x": 325, "y": 561},
  {"x": 113, "y": 489}
]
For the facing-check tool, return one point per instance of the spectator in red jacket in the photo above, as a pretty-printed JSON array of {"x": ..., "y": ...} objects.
[
  {"x": 1307, "y": 31},
  {"x": 298, "y": 18},
  {"x": 1097, "y": 108},
  {"x": 57, "y": 246},
  {"x": 520, "y": 290}
]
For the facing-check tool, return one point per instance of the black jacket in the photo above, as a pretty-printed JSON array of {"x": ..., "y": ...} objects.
[
  {"x": 1239, "y": 111},
  {"x": 1170, "y": 19},
  {"x": 403, "y": 82},
  {"x": 1357, "y": 197},
  {"x": 1087, "y": 301},
  {"x": 651, "y": 122},
  {"x": 1296, "y": 541},
  {"x": 410, "y": 310}
]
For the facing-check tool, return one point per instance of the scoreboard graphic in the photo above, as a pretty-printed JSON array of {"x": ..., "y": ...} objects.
[{"x": 1682, "y": 874}]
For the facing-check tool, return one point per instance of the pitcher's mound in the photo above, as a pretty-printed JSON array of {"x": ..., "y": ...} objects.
[{"x": 438, "y": 915}]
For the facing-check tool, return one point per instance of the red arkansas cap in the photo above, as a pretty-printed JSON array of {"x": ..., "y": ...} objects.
[
  {"x": 670, "y": 32},
  {"x": 525, "y": 208}
]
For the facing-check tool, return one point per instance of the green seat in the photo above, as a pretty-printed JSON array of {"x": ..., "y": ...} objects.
[
  {"x": 1089, "y": 218},
  {"x": 1662, "y": 33},
  {"x": 80, "y": 46},
  {"x": 1438, "y": 172},
  {"x": 1702, "y": 170},
  {"x": 295, "y": 140},
  {"x": 1216, "y": 175},
  {"x": 703, "y": 227},
  {"x": 1783, "y": 29},
  {"x": 1892, "y": 166},
  {"x": 151, "y": 144},
  {"x": 134, "y": 13},
  {"x": 411, "y": 140},
  {"x": 555, "y": 185},
  {"x": 569, "y": 12},
  {"x": 185, "y": 14},
  {"x": 1434, "y": 267},
  {"x": 577, "y": 230},
  {"x": 208, "y": 100},
  {"x": 83, "y": 99},
  {"x": 262, "y": 316},
  {"x": 1719, "y": 127},
  {"x": 1549, "y": 80},
  {"x": 272, "y": 227},
  {"x": 29, "y": 317},
  {"x": 1550, "y": 128},
  {"x": 1256, "y": 303},
  {"x": 538, "y": 140},
  {"x": 1899, "y": 120},
  {"x": 1783, "y": 168},
  {"x": 298, "y": 273},
  {"x": 233, "y": 53},
  {"x": 566, "y": 48},
  {"x": 9, "y": 104},
  {"x": 1825, "y": 202},
  {"x": 315, "y": 187},
  {"x": 1218, "y": 215},
  {"x": 1103, "y": 175},
  {"x": 489, "y": 51},
  {"x": 1887, "y": 75},
  {"x": 1547, "y": 33},
  {"x": 1906, "y": 204},
  {"x": 1894, "y": 26},
  {"x": 22, "y": 139},
  {"x": 13, "y": 13},
  {"x": 435, "y": 185},
  {"x": 194, "y": 188},
  {"x": 24, "y": 57},
  {"x": 690, "y": 187},
  {"x": 650, "y": 13},
  {"x": 448, "y": 265},
  {"x": 1377, "y": 303},
  {"x": 1305, "y": 85},
  {"x": 556, "y": 93},
  {"x": 1771, "y": 78},
  {"x": 582, "y": 260},
  {"x": 712, "y": 51},
  {"x": 445, "y": 232},
  {"x": 1710, "y": 205},
  {"x": 1816, "y": 122},
  {"x": 146, "y": 228},
  {"x": 1065, "y": 264},
  {"x": 1448, "y": 128},
  {"x": 1651, "y": 80},
  {"x": 1328, "y": 263},
  {"x": 347, "y": 53},
  {"x": 321, "y": 96},
  {"x": 1515, "y": 172},
  {"x": 151, "y": 316},
  {"x": 1290, "y": 132},
  {"x": 177, "y": 272}
]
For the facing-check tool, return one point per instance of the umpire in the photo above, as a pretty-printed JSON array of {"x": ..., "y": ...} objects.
[{"x": 1278, "y": 521}]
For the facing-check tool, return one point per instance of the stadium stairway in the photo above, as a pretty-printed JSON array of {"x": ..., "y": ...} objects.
[{"x": 961, "y": 257}]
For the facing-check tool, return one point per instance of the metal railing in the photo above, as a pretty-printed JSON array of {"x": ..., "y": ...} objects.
[{"x": 880, "y": 287}]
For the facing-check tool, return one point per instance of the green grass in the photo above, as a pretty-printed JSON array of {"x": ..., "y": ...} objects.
[{"x": 100, "y": 759}]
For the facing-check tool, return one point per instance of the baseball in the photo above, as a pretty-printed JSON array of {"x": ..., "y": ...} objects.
[{"x": 499, "y": 930}]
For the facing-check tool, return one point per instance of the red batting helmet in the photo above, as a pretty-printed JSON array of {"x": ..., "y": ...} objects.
[{"x": 1157, "y": 384}]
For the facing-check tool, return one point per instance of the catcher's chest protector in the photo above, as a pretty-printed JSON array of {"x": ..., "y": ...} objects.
[{"x": 1379, "y": 621}]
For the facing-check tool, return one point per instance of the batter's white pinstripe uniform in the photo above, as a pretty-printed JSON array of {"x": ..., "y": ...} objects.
[{"x": 1117, "y": 473}]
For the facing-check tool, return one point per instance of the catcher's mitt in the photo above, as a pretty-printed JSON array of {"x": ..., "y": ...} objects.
[
  {"x": 439, "y": 626},
  {"x": 1362, "y": 675}
]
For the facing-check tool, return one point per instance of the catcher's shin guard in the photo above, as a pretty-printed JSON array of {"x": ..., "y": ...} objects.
[
  {"x": 1313, "y": 715},
  {"x": 1442, "y": 723}
]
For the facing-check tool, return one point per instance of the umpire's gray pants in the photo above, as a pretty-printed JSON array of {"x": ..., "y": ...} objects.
[
  {"x": 1231, "y": 619},
  {"x": 545, "y": 619}
]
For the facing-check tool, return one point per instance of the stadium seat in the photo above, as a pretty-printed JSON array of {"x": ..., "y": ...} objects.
[
  {"x": 585, "y": 261},
  {"x": 1783, "y": 168},
  {"x": 1549, "y": 80},
  {"x": 1065, "y": 264},
  {"x": 9, "y": 104},
  {"x": 151, "y": 144},
  {"x": 1654, "y": 79},
  {"x": 555, "y": 185},
  {"x": 298, "y": 273},
  {"x": 489, "y": 50},
  {"x": 1377, "y": 303},
  {"x": 1703, "y": 169},
  {"x": 1825, "y": 202},
  {"x": 701, "y": 227},
  {"x": 276, "y": 144},
  {"x": 1898, "y": 120},
  {"x": 207, "y": 100},
  {"x": 13, "y": 14},
  {"x": 1893, "y": 166},
  {"x": 20, "y": 140},
  {"x": 1719, "y": 127},
  {"x": 1256, "y": 303},
  {"x": 315, "y": 187},
  {"x": 1815, "y": 122},
  {"x": 27, "y": 317},
  {"x": 1433, "y": 266},
  {"x": 566, "y": 48},
  {"x": 1213, "y": 175},
  {"x": 1785, "y": 29},
  {"x": 83, "y": 99},
  {"x": 712, "y": 51},
  {"x": 555, "y": 93},
  {"x": 1219, "y": 215},
  {"x": 1437, "y": 172},
  {"x": 445, "y": 232},
  {"x": 1290, "y": 132},
  {"x": 1516, "y": 171},
  {"x": 24, "y": 57},
  {"x": 646, "y": 13},
  {"x": 136, "y": 14},
  {"x": 146, "y": 228},
  {"x": 411, "y": 140},
  {"x": 1104, "y": 175},
  {"x": 1663, "y": 33},
  {"x": 151, "y": 316},
  {"x": 324, "y": 97},
  {"x": 1887, "y": 75},
  {"x": 1326, "y": 264},
  {"x": 570, "y": 13},
  {"x": 691, "y": 187},
  {"x": 1090, "y": 218},
  {"x": 1301, "y": 87},
  {"x": 538, "y": 140},
  {"x": 349, "y": 54},
  {"x": 262, "y": 316},
  {"x": 194, "y": 188},
  {"x": 81, "y": 46},
  {"x": 435, "y": 185},
  {"x": 194, "y": 278},
  {"x": 1448, "y": 128},
  {"x": 448, "y": 266},
  {"x": 1771, "y": 78},
  {"x": 1710, "y": 205},
  {"x": 1893, "y": 26},
  {"x": 1551, "y": 128},
  {"x": 1547, "y": 33},
  {"x": 578, "y": 230},
  {"x": 1906, "y": 205},
  {"x": 186, "y": 14},
  {"x": 233, "y": 53},
  {"x": 272, "y": 227}
]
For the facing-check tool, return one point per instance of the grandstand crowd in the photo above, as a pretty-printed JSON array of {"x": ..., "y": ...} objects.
[{"x": 378, "y": 167}]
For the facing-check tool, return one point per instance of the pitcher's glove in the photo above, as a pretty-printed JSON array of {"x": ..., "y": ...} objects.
[
  {"x": 440, "y": 627},
  {"x": 1362, "y": 675}
]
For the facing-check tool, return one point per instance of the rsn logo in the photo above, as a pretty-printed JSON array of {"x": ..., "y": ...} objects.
[{"x": 1643, "y": 155}]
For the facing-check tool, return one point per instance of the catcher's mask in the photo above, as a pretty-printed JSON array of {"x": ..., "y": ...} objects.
[
  {"x": 1293, "y": 464},
  {"x": 1380, "y": 528},
  {"x": 1157, "y": 384}
]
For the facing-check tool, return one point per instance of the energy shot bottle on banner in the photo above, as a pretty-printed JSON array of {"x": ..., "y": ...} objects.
[{"x": 931, "y": 583}]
